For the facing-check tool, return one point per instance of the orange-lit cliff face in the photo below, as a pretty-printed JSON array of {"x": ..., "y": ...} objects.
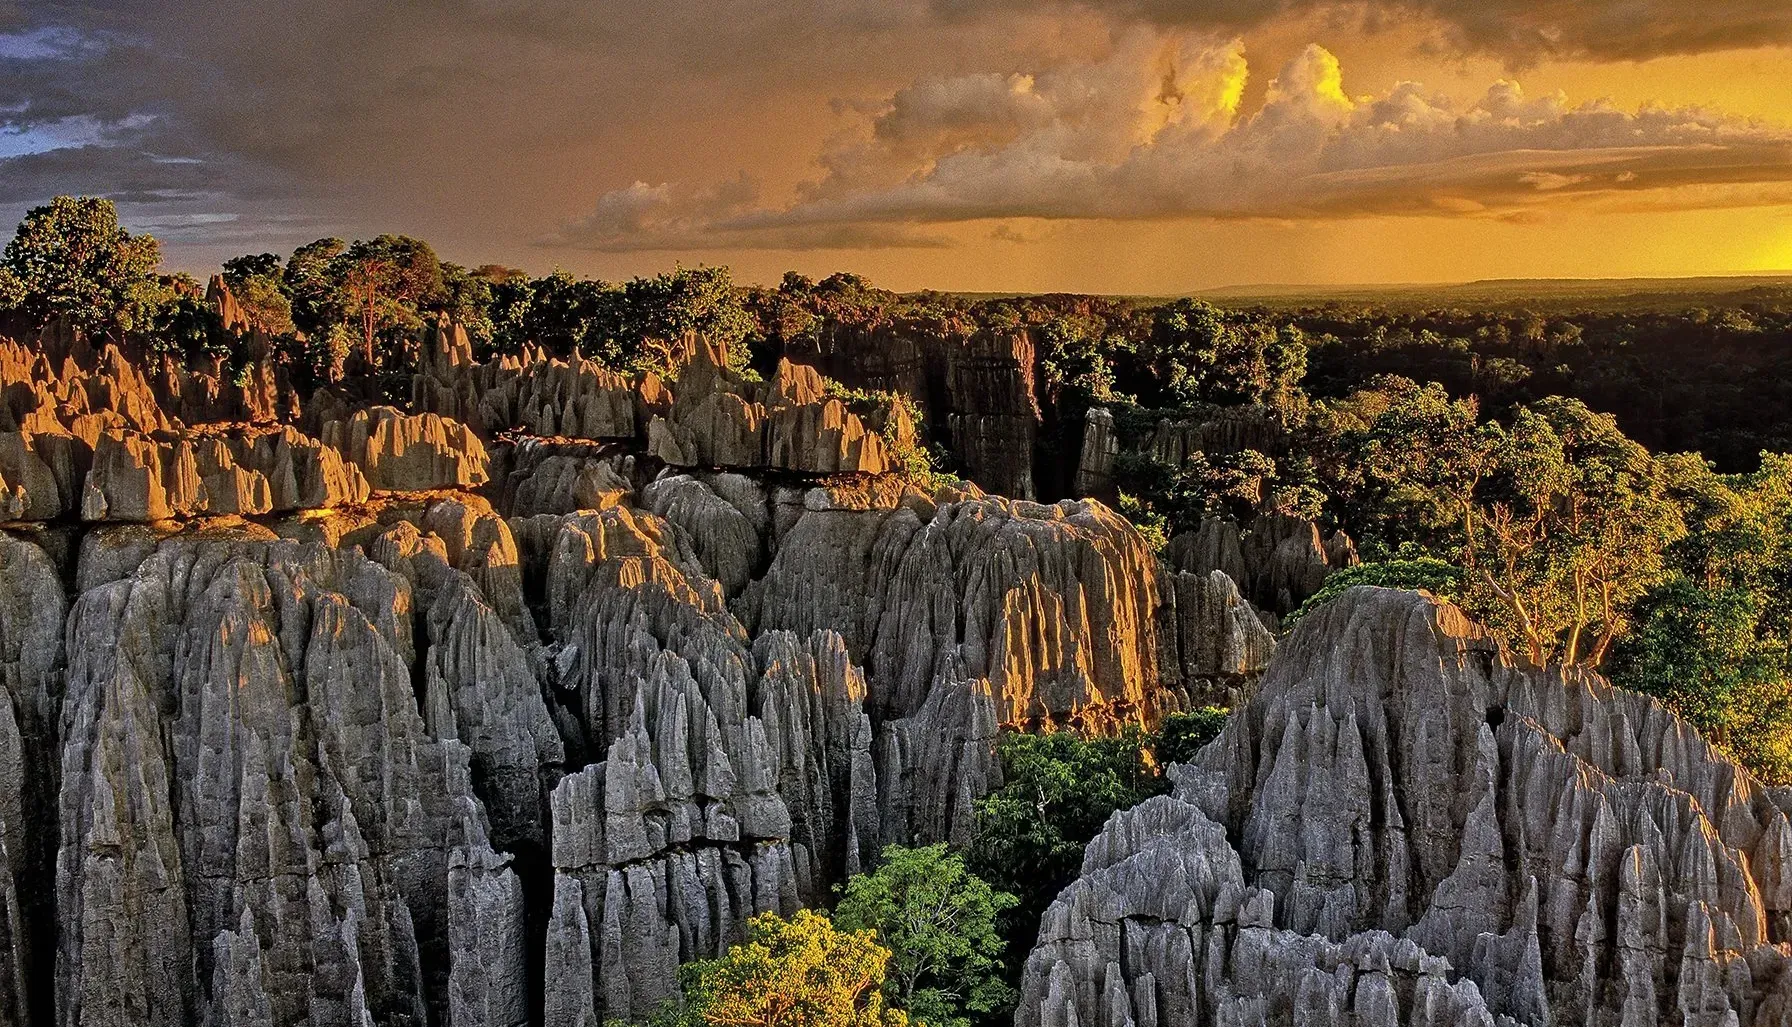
[{"x": 1141, "y": 146}]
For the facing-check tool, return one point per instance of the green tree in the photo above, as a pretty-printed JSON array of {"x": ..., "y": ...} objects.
[
  {"x": 509, "y": 310},
  {"x": 1074, "y": 364},
  {"x": 1714, "y": 639},
  {"x": 186, "y": 329},
  {"x": 1182, "y": 735},
  {"x": 311, "y": 285},
  {"x": 12, "y": 290},
  {"x": 662, "y": 310},
  {"x": 466, "y": 299},
  {"x": 383, "y": 284},
  {"x": 1704, "y": 651},
  {"x": 257, "y": 281},
  {"x": 1401, "y": 463},
  {"x": 264, "y": 304},
  {"x": 1569, "y": 529},
  {"x": 939, "y": 922},
  {"x": 556, "y": 314},
  {"x": 1199, "y": 354},
  {"x": 800, "y": 972},
  {"x": 1152, "y": 525},
  {"x": 252, "y": 265},
  {"x": 1184, "y": 345},
  {"x": 72, "y": 259},
  {"x": 1058, "y": 790},
  {"x": 322, "y": 357},
  {"x": 1236, "y": 485}
]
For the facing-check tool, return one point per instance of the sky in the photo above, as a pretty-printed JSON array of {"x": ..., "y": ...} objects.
[{"x": 1121, "y": 146}]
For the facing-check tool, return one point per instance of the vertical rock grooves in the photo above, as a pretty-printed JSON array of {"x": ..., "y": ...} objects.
[
  {"x": 32, "y": 611},
  {"x": 1053, "y": 605},
  {"x": 1402, "y": 827},
  {"x": 496, "y": 710}
]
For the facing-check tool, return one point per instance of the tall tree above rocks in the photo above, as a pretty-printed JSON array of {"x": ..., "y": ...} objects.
[
  {"x": 72, "y": 259},
  {"x": 310, "y": 285},
  {"x": 1569, "y": 530},
  {"x": 256, "y": 282},
  {"x": 383, "y": 284}
]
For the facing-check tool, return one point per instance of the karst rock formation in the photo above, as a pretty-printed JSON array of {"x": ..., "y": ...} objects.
[
  {"x": 1402, "y": 827},
  {"x": 494, "y": 707}
]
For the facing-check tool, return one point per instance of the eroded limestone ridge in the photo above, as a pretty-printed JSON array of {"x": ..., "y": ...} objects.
[
  {"x": 1404, "y": 828},
  {"x": 496, "y": 709}
]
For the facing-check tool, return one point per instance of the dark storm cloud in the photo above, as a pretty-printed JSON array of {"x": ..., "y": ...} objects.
[
  {"x": 361, "y": 109},
  {"x": 1521, "y": 31},
  {"x": 225, "y": 120}
]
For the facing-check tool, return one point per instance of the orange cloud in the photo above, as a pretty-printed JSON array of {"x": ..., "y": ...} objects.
[
  {"x": 1153, "y": 132},
  {"x": 1520, "y": 31}
]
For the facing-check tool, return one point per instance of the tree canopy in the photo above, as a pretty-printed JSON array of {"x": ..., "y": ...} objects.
[
  {"x": 71, "y": 259},
  {"x": 800, "y": 972},
  {"x": 1200, "y": 354},
  {"x": 1058, "y": 789},
  {"x": 1568, "y": 530},
  {"x": 1714, "y": 637},
  {"x": 939, "y": 922}
]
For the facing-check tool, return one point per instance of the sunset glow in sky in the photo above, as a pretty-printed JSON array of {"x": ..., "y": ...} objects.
[{"x": 1136, "y": 146}]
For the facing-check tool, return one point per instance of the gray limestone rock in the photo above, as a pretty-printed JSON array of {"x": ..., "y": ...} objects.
[
  {"x": 1403, "y": 827},
  {"x": 377, "y": 726},
  {"x": 32, "y": 612},
  {"x": 1053, "y": 605},
  {"x": 539, "y": 476},
  {"x": 727, "y": 544},
  {"x": 1277, "y": 562},
  {"x": 1212, "y": 645},
  {"x": 245, "y": 757},
  {"x": 1095, "y": 465}
]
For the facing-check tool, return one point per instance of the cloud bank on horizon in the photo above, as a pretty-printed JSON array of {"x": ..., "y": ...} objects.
[
  {"x": 1518, "y": 31},
  {"x": 1156, "y": 131},
  {"x": 563, "y": 122}
]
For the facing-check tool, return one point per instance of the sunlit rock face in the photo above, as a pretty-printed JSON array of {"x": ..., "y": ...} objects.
[
  {"x": 313, "y": 783},
  {"x": 1053, "y": 605},
  {"x": 497, "y": 709},
  {"x": 1402, "y": 827}
]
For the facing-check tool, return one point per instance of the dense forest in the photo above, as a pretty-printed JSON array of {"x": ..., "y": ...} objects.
[{"x": 1609, "y": 490}]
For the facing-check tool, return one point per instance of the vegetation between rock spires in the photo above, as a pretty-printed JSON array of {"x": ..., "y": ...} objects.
[
  {"x": 800, "y": 972},
  {"x": 1419, "y": 573},
  {"x": 939, "y": 922},
  {"x": 913, "y": 941},
  {"x": 901, "y": 424},
  {"x": 1183, "y": 734},
  {"x": 1058, "y": 789}
]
